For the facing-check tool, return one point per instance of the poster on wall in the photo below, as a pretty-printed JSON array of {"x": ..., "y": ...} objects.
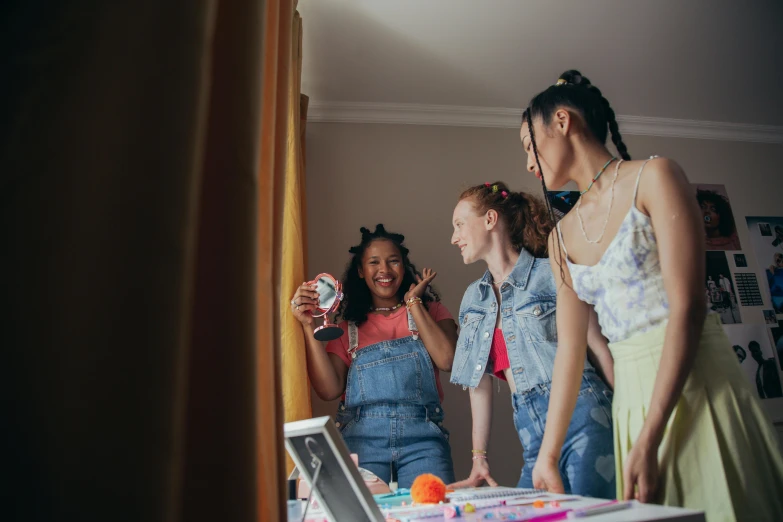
[
  {"x": 752, "y": 347},
  {"x": 719, "y": 225},
  {"x": 748, "y": 289},
  {"x": 766, "y": 234},
  {"x": 720, "y": 290},
  {"x": 777, "y": 339},
  {"x": 562, "y": 201}
]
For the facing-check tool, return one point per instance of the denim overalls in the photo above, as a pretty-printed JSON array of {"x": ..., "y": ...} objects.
[
  {"x": 527, "y": 319},
  {"x": 391, "y": 416}
]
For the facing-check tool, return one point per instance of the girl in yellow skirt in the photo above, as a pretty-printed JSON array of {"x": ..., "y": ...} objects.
[{"x": 689, "y": 429}]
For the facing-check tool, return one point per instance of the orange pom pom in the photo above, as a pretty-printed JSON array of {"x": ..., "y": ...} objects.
[{"x": 428, "y": 489}]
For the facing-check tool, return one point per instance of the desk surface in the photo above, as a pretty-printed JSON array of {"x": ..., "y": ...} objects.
[
  {"x": 523, "y": 510},
  {"x": 637, "y": 513}
]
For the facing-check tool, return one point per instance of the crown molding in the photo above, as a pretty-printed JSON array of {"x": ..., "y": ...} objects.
[{"x": 497, "y": 117}]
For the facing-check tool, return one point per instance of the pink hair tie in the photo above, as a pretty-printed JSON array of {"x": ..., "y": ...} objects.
[
  {"x": 504, "y": 194},
  {"x": 487, "y": 185}
]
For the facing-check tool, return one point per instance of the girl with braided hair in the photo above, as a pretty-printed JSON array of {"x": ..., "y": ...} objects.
[
  {"x": 688, "y": 428},
  {"x": 508, "y": 330},
  {"x": 396, "y": 337}
]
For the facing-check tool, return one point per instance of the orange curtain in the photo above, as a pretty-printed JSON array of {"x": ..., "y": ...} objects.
[
  {"x": 142, "y": 182},
  {"x": 274, "y": 171},
  {"x": 295, "y": 383}
]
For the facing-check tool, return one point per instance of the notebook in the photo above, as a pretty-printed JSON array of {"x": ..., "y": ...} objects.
[{"x": 487, "y": 493}]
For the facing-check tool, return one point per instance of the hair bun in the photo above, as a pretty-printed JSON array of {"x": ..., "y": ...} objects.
[{"x": 574, "y": 77}]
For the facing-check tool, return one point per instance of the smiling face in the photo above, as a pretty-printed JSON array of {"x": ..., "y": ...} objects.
[
  {"x": 470, "y": 235},
  {"x": 382, "y": 270}
]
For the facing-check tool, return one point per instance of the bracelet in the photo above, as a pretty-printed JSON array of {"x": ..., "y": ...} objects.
[
  {"x": 479, "y": 457},
  {"x": 479, "y": 451},
  {"x": 413, "y": 301}
]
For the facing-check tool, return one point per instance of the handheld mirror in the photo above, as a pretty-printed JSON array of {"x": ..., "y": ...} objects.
[{"x": 330, "y": 294}]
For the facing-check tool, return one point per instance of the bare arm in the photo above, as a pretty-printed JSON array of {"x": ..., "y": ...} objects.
[
  {"x": 572, "y": 325},
  {"x": 440, "y": 338},
  {"x": 481, "y": 412},
  {"x": 669, "y": 201},
  {"x": 598, "y": 350},
  {"x": 327, "y": 371}
]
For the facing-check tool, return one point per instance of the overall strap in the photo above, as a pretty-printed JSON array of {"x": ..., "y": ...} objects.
[{"x": 353, "y": 338}]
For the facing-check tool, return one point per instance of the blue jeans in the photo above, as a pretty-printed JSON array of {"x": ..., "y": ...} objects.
[
  {"x": 587, "y": 459},
  {"x": 392, "y": 417},
  {"x": 398, "y": 440}
]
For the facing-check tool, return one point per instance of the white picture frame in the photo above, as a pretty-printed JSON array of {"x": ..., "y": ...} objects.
[{"x": 340, "y": 489}]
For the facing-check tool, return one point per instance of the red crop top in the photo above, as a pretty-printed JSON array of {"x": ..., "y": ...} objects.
[{"x": 498, "y": 354}]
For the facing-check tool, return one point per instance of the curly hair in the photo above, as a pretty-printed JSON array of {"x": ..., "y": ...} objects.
[
  {"x": 357, "y": 299},
  {"x": 722, "y": 208},
  {"x": 526, "y": 216}
]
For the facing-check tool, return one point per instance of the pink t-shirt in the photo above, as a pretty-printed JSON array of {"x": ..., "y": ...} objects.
[{"x": 379, "y": 328}]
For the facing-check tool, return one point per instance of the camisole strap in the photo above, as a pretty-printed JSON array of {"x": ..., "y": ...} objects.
[{"x": 639, "y": 177}]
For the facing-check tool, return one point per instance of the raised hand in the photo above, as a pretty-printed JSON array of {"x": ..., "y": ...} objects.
[
  {"x": 421, "y": 285},
  {"x": 303, "y": 303}
]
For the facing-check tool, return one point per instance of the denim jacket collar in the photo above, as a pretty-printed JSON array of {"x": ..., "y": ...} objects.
[{"x": 519, "y": 276}]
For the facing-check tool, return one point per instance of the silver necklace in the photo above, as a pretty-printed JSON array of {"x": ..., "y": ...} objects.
[{"x": 608, "y": 212}]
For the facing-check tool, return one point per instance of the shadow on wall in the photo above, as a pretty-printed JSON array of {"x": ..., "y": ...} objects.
[{"x": 370, "y": 42}]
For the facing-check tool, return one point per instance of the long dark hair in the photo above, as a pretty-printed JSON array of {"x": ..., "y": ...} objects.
[
  {"x": 576, "y": 92},
  {"x": 524, "y": 214},
  {"x": 357, "y": 299}
]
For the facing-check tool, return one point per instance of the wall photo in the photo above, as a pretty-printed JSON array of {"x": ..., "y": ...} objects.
[
  {"x": 719, "y": 289},
  {"x": 720, "y": 227},
  {"x": 752, "y": 347},
  {"x": 766, "y": 234},
  {"x": 777, "y": 339}
]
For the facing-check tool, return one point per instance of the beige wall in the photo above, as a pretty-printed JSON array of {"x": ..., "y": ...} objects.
[{"x": 408, "y": 177}]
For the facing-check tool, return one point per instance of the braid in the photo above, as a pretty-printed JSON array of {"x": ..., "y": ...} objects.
[
  {"x": 611, "y": 119},
  {"x": 558, "y": 254}
]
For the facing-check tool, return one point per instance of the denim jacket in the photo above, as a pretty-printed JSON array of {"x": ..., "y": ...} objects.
[{"x": 528, "y": 322}]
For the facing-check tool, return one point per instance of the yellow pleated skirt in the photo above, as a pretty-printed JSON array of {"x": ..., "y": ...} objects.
[{"x": 720, "y": 453}]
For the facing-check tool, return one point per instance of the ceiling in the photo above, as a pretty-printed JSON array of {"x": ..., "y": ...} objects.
[{"x": 713, "y": 60}]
